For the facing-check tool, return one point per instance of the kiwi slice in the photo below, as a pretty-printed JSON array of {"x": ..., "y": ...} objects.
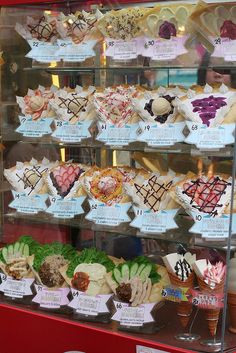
[
  {"x": 5, "y": 254},
  {"x": 21, "y": 248},
  {"x": 26, "y": 250},
  {"x": 16, "y": 247},
  {"x": 10, "y": 250}
]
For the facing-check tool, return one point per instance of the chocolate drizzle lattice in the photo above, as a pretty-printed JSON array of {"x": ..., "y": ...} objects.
[
  {"x": 74, "y": 105},
  {"x": 31, "y": 177},
  {"x": 183, "y": 269},
  {"x": 153, "y": 193},
  {"x": 205, "y": 195},
  {"x": 42, "y": 30}
]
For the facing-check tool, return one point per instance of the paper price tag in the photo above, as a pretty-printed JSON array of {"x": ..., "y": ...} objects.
[
  {"x": 15, "y": 288},
  {"x": 117, "y": 136},
  {"x": 65, "y": 208},
  {"x": 224, "y": 48},
  {"x": 31, "y": 128},
  {"x": 206, "y": 300},
  {"x": 28, "y": 204},
  {"x": 142, "y": 349},
  {"x": 174, "y": 294},
  {"x": 43, "y": 52},
  {"x": 89, "y": 305},
  {"x": 161, "y": 134},
  {"x": 213, "y": 227},
  {"x": 132, "y": 316},
  {"x": 66, "y": 132},
  {"x": 103, "y": 214},
  {"x": 154, "y": 222},
  {"x": 69, "y": 51},
  {"x": 210, "y": 138},
  {"x": 164, "y": 49},
  {"x": 51, "y": 299},
  {"x": 124, "y": 50}
]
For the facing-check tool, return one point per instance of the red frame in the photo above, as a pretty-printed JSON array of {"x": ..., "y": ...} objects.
[
  {"x": 89, "y": 2},
  {"x": 61, "y": 335}
]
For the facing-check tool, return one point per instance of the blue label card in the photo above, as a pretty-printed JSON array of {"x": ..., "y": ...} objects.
[
  {"x": 69, "y": 51},
  {"x": 34, "y": 128},
  {"x": 157, "y": 135},
  {"x": 28, "y": 204},
  {"x": 117, "y": 136},
  {"x": 213, "y": 227},
  {"x": 206, "y": 138},
  {"x": 154, "y": 222},
  {"x": 65, "y": 208},
  {"x": 42, "y": 51},
  {"x": 113, "y": 215},
  {"x": 67, "y": 132}
]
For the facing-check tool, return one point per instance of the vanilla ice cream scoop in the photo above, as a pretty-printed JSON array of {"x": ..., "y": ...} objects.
[
  {"x": 161, "y": 106},
  {"x": 232, "y": 276},
  {"x": 36, "y": 103}
]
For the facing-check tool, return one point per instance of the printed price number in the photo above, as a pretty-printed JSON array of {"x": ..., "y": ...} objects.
[
  {"x": 194, "y": 127},
  {"x": 217, "y": 41},
  {"x": 139, "y": 212},
  {"x": 149, "y": 43},
  {"x": 17, "y": 196},
  {"x": 59, "y": 123},
  {"x": 119, "y": 306},
  {"x": 147, "y": 127},
  {"x": 3, "y": 277},
  {"x": 111, "y": 44},
  {"x": 198, "y": 218},
  {"x": 53, "y": 200},
  {"x": 103, "y": 127},
  {"x": 35, "y": 44},
  {"x": 94, "y": 207}
]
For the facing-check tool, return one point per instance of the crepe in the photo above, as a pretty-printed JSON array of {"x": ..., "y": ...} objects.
[
  {"x": 211, "y": 106},
  {"x": 121, "y": 24},
  {"x": 64, "y": 180},
  {"x": 36, "y": 103},
  {"x": 28, "y": 177},
  {"x": 113, "y": 105},
  {"x": 207, "y": 195},
  {"x": 158, "y": 105},
  {"x": 74, "y": 106},
  {"x": 165, "y": 22}
]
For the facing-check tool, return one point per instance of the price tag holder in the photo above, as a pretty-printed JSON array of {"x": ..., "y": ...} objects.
[
  {"x": 51, "y": 299},
  {"x": 69, "y": 51},
  {"x": 164, "y": 49},
  {"x": 158, "y": 135},
  {"x": 34, "y": 128},
  {"x": 207, "y": 301},
  {"x": 112, "y": 135},
  {"x": 213, "y": 227},
  {"x": 65, "y": 208},
  {"x": 127, "y": 315},
  {"x": 15, "y": 288},
  {"x": 124, "y": 50},
  {"x": 224, "y": 48},
  {"x": 43, "y": 52},
  {"x": 113, "y": 215},
  {"x": 28, "y": 204},
  {"x": 143, "y": 349},
  {"x": 89, "y": 305},
  {"x": 154, "y": 222},
  {"x": 175, "y": 294},
  {"x": 67, "y": 132},
  {"x": 206, "y": 138}
]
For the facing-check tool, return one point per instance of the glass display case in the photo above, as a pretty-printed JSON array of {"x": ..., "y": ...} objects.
[{"x": 117, "y": 147}]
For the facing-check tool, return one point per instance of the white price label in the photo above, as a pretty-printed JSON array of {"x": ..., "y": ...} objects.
[
  {"x": 132, "y": 316},
  {"x": 15, "y": 288},
  {"x": 117, "y": 136},
  {"x": 143, "y": 349}
]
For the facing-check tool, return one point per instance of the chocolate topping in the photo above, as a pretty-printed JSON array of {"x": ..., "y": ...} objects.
[
  {"x": 124, "y": 292},
  {"x": 49, "y": 271}
]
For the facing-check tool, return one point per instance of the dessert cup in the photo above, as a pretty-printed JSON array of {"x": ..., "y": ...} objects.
[{"x": 232, "y": 311}]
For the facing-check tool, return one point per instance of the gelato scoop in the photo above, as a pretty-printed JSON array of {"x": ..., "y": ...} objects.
[
  {"x": 161, "y": 106},
  {"x": 36, "y": 103}
]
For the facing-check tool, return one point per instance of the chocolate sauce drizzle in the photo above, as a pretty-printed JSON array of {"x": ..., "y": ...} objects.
[
  {"x": 182, "y": 269},
  {"x": 28, "y": 173},
  {"x": 209, "y": 193},
  {"x": 153, "y": 192},
  {"x": 80, "y": 103},
  {"x": 38, "y": 29}
]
